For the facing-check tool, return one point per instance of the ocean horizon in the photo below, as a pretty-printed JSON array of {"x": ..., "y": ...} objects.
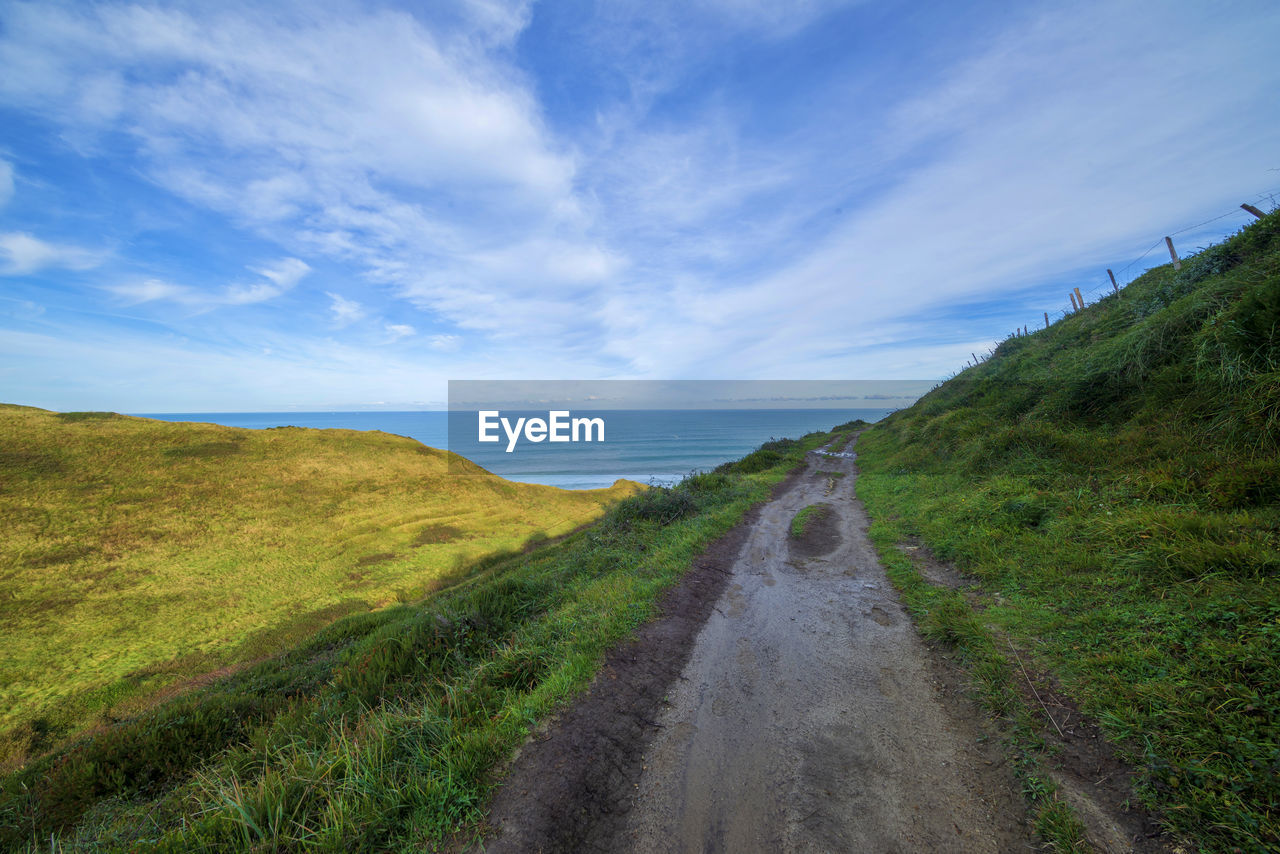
[{"x": 651, "y": 446}]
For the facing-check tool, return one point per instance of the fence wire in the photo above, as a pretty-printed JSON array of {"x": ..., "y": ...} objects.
[{"x": 1265, "y": 197}]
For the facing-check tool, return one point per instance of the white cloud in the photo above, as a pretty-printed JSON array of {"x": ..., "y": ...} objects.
[
  {"x": 542, "y": 262},
  {"x": 247, "y": 294},
  {"x": 365, "y": 135},
  {"x": 22, "y": 253},
  {"x": 1022, "y": 169},
  {"x": 280, "y": 275},
  {"x": 285, "y": 273},
  {"x": 681, "y": 243},
  {"x": 150, "y": 290},
  {"x": 308, "y": 100},
  {"x": 444, "y": 343},
  {"x": 344, "y": 311}
]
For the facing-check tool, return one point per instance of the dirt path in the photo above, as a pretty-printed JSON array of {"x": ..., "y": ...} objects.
[{"x": 806, "y": 716}]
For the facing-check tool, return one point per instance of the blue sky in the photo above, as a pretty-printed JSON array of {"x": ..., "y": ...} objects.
[{"x": 329, "y": 204}]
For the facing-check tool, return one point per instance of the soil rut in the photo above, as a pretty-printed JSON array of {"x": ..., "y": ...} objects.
[{"x": 807, "y": 716}]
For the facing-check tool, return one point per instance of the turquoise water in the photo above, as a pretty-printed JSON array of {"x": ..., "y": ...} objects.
[{"x": 650, "y": 446}]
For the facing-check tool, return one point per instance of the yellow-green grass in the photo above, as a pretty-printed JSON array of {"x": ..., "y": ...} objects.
[
  {"x": 138, "y": 553},
  {"x": 384, "y": 730}
]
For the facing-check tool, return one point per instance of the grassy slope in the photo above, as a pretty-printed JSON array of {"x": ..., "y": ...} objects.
[
  {"x": 382, "y": 731},
  {"x": 1114, "y": 479},
  {"x": 138, "y": 552}
]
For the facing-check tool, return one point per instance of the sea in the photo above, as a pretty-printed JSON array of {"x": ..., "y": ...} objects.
[{"x": 648, "y": 446}]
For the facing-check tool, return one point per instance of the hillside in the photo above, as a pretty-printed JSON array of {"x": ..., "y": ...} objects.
[
  {"x": 1112, "y": 483},
  {"x": 383, "y": 730},
  {"x": 141, "y": 553}
]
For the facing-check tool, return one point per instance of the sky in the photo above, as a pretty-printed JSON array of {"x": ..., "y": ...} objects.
[{"x": 245, "y": 207}]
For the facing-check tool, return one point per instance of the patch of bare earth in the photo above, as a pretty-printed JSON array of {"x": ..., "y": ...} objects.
[
  {"x": 784, "y": 702},
  {"x": 821, "y": 533},
  {"x": 811, "y": 717},
  {"x": 572, "y": 783}
]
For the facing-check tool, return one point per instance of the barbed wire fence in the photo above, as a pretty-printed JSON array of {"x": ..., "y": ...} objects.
[{"x": 1116, "y": 280}]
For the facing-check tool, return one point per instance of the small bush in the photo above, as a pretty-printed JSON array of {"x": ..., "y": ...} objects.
[
  {"x": 707, "y": 483},
  {"x": 756, "y": 461},
  {"x": 657, "y": 504},
  {"x": 855, "y": 424}
]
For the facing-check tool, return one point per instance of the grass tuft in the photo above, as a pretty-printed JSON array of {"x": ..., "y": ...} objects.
[{"x": 805, "y": 517}]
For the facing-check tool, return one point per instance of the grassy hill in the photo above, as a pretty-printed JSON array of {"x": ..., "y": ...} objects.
[
  {"x": 1113, "y": 482},
  {"x": 137, "y": 554},
  {"x": 381, "y": 731}
]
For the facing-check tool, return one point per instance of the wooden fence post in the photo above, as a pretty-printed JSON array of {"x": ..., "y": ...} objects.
[
  {"x": 1177, "y": 265},
  {"x": 1251, "y": 209},
  {"x": 1046, "y": 320},
  {"x": 1072, "y": 297},
  {"x": 1113, "y": 281},
  {"x": 975, "y": 359},
  {"x": 1079, "y": 297}
]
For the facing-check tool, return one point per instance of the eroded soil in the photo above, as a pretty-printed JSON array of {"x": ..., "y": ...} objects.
[{"x": 783, "y": 702}]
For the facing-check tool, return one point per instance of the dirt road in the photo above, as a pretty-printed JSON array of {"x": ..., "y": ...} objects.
[{"x": 806, "y": 716}]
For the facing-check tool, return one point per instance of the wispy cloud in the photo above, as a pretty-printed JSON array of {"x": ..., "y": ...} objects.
[
  {"x": 285, "y": 273},
  {"x": 344, "y": 311},
  {"x": 280, "y": 277},
  {"x": 149, "y": 290},
  {"x": 305, "y": 110},
  {"x": 709, "y": 189},
  {"x": 995, "y": 159},
  {"x": 22, "y": 253},
  {"x": 399, "y": 330}
]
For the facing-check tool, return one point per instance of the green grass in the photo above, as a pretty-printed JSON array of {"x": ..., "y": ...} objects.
[
  {"x": 843, "y": 434},
  {"x": 946, "y": 616},
  {"x": 839, "y": 444},
  {"x": 383, "y": 731},
  {"x": 1115, "y": 480},
  {"x": 806, "y": 516},
  {"x": 138, "y": 554}
]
